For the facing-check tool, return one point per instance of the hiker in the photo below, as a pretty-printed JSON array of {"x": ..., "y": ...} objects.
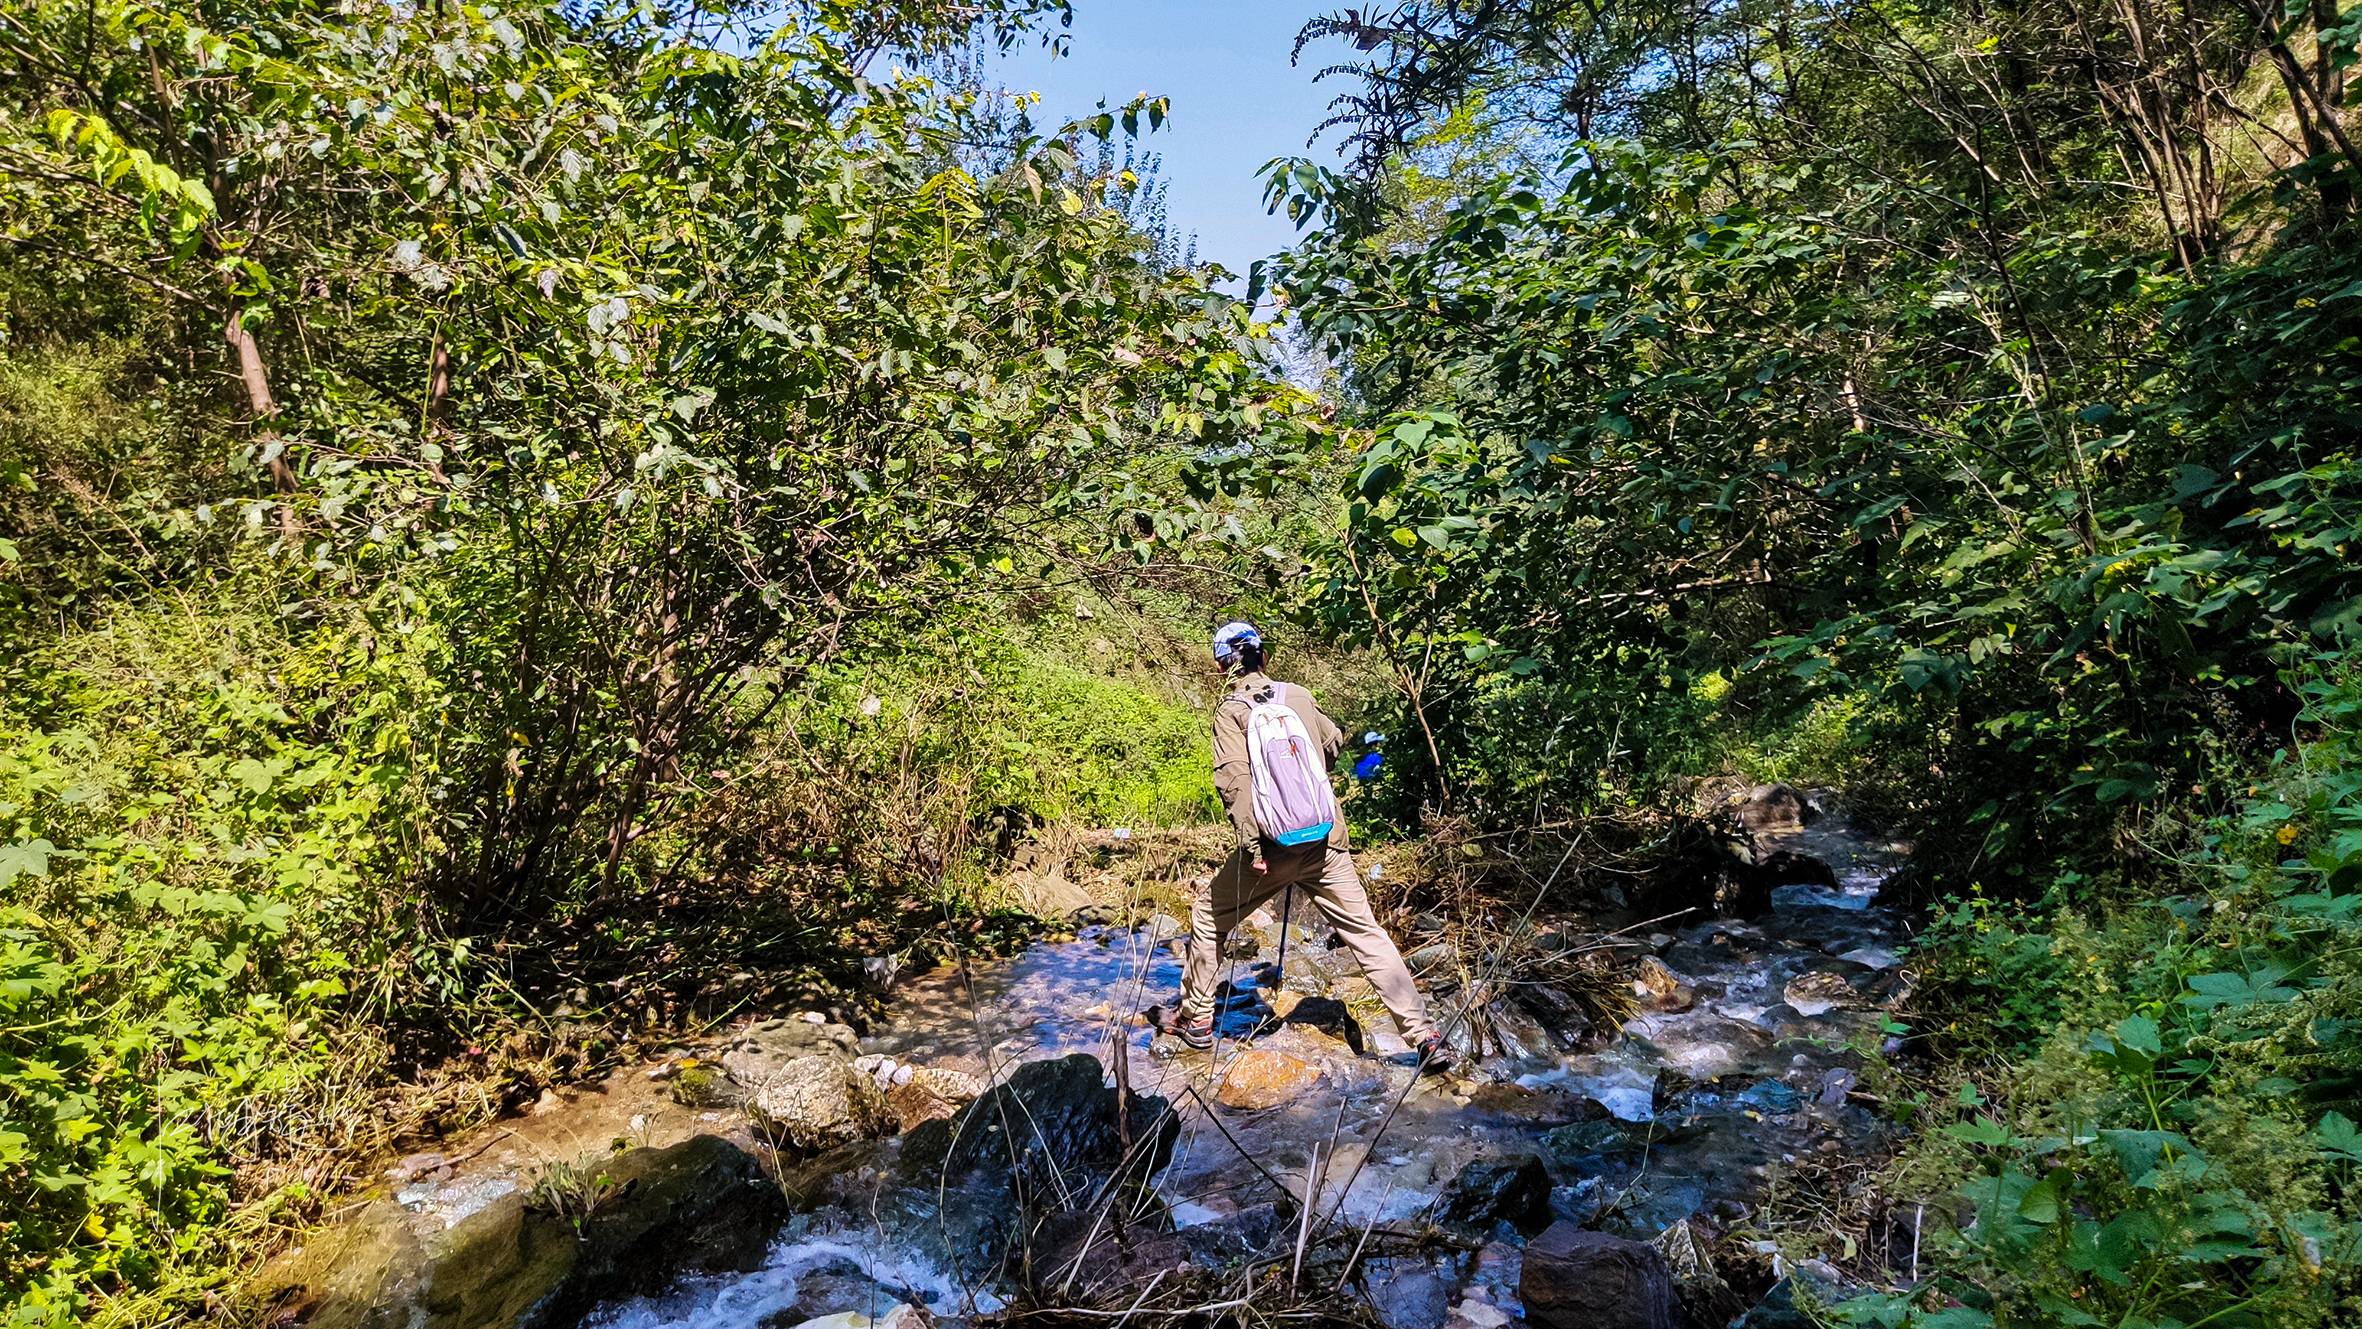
[{"x": 1290, "y": 834}]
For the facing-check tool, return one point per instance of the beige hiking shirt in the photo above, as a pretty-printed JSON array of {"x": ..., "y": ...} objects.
[{"x": 1233, "y": 770}]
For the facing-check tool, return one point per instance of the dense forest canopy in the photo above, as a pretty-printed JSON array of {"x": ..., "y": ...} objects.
[
  {"x": 503, "y": 505},
  {"x": 1935, "y": 352},
  {"x": 1968, "y": 391}
]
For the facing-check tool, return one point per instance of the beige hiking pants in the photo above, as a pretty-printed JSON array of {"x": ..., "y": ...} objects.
[{"x": 1326, "y": 873}]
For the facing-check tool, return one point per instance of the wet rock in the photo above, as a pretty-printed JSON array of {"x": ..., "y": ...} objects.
[
  {"x": 1407, "y": 1294},
  {"x": 1513, "y": 1190},
  {"x": 1655, "y": 1201},
  {"x": 1261, "y": 1078},
  {"x": 930, "y": 1094},
  {"x": 1786, "y": 867},
  {"x": 1058, "y": 1115},
  {"x": 1575, "y": 1279},
  {"x": 1688, "y": 1248},
  {"x": 979, "y": 1184},
  {"x": 1818, "y": 991},
  {"x": 1772, "y": 1098},
  {"x": 1569, "y": 1146},
  {"x": 1705, "y": 1047},
  {"x": 1774, "y": 807},
  {"x": 367, "y": 1272},
  {"x": 700, "y": 1206},
  {"x": 1660, "y": 989},
  {"x": 1164, "y": 927},
  {"x": 1566, "y": 1022},
  {"x": 1475, "y": 1312},
  {"x": 1251, "y": 1231},
  {"x": 1710, "y": 865}
]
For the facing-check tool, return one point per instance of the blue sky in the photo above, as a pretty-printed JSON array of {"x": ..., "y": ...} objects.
[{"x": 1236, "y": 102}]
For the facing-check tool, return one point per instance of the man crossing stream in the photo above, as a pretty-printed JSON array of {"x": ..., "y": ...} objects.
[{"x": 1272, "y": 753}]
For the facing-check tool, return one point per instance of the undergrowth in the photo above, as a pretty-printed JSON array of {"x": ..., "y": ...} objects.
[
  {"x": 203, "y": 810},
  {"x": 2148, "y": 1116}
]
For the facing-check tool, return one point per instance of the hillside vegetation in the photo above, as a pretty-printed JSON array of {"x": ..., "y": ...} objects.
[{"x": 1960, "y": 399}]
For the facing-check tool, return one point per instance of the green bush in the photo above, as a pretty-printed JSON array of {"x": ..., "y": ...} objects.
[
  {"x": 2157, "y": 1127},
  {"x": 199, "y": 811}
]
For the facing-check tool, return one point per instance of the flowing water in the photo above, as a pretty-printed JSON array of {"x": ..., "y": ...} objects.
[{"x": 1706, "y": 1098}]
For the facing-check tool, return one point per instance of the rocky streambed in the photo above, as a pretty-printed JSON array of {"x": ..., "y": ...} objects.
[{"x": 1019, "y": 1141}]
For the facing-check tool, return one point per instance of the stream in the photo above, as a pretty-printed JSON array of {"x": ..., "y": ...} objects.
[{"x": 1740, "y": 1062}]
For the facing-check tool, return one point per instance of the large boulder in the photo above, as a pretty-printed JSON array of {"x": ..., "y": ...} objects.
[
  {"x": 1053, "y": 1135},
  {"x": 1059, "y": 1114},
  {"x": 1575, "y": 1279},
  {"x": 701, "y": 1206},
  {"x": 802, "y": 1087},
  {"x": 1772, "y": 808}
]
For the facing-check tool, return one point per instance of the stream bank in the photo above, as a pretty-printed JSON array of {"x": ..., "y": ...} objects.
[{"x": 1629, "y": 1147}]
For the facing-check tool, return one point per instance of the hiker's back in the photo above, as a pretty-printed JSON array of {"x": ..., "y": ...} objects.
[{"x": 1293, "y": 802}]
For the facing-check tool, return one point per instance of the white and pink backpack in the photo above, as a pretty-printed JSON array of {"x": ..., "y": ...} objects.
[{"x": 1293, "y": 802}]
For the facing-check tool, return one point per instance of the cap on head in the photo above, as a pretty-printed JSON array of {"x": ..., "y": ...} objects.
[
  {"x": 1372, "y": 739},
  {"x": 1230, "y": 636}
]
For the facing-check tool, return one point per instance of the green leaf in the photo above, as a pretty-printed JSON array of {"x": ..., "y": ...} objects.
[
  {"x": 2339, "y": 1136},
  {"x": 2043, "y": 1200},
  {"x": 1983, "y": 1131},
  {"x": 30, "y": 858},
  {"x": 2139, "y": 1033}
]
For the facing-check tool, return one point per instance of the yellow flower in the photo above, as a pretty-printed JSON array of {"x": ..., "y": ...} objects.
[
  {"x": 2285, "y": 835},
  {"x": 95, "y": 1226}
]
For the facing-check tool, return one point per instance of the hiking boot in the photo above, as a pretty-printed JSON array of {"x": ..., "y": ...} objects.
[
  {"x": 1436, "y": 1056},
  {"x": 1198, "y": 1033}
]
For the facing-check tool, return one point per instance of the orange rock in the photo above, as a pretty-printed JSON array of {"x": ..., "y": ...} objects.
[{"x": 1259, "y": 1078}]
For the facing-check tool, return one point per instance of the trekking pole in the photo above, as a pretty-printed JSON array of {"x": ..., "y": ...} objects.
[{"x": 1287, "y": 907}]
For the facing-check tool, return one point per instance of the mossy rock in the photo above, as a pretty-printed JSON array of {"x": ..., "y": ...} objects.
[
  {"x": 702, "y": 1205},
  {"x": 703, "y": 1087}
]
